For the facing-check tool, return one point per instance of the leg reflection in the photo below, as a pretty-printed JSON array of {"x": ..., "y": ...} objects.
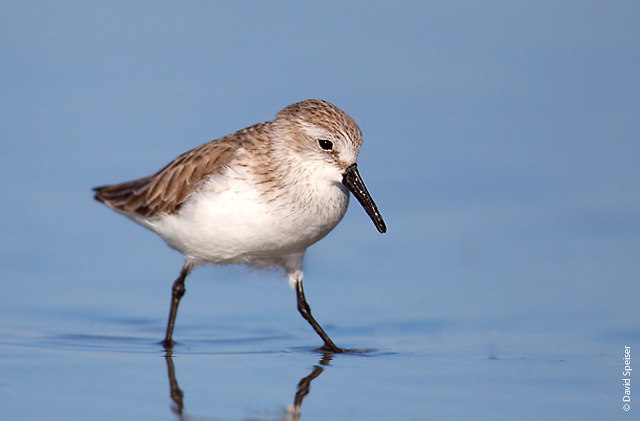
[
  {"x": 174, "y": 389},
  {"x": 293, "y": 411}
]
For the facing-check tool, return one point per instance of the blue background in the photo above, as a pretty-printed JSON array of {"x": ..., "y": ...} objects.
[{"x": 501, "y": 145}]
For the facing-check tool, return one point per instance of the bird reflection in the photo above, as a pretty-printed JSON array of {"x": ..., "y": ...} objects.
[{"x": 292, "y": 412}]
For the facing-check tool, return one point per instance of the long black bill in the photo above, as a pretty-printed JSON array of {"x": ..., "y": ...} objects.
[{"x": 351, "y": 179}]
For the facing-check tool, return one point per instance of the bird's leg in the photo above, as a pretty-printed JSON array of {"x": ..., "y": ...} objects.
[
  {"x": 177, "y": 291},
  {"x": 305, "y": 311}
]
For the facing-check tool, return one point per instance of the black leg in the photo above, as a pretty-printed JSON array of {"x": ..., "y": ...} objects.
[
  {"x": 305, "y": 311},
  {"x": 177, "y": 292}
]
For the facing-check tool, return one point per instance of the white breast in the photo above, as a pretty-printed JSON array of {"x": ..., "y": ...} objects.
[{"x": 231, "y": 221}]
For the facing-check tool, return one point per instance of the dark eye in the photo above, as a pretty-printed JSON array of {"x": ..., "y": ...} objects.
[{"x": 325, "y": 144}]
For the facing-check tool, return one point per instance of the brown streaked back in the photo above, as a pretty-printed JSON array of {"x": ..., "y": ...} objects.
[{"x": 166, "y": 190}]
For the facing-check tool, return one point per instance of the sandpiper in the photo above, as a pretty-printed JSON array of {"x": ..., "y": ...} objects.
[{"x": 260, "y": 197}]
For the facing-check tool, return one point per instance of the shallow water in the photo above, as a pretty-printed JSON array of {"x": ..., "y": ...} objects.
[{"x": 259, "y": 364}]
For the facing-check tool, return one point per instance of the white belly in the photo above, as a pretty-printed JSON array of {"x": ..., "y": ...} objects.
[{"x": 232, "y": 223}]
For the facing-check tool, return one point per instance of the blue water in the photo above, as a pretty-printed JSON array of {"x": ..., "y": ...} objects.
[
  {"x": 420, "y": 370},
  {"x": 501, "y": 146},
  {"x": 243, "y": 349}
]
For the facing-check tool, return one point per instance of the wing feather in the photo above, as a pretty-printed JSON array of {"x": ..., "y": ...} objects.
[{"x": 166, "y": 190}]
